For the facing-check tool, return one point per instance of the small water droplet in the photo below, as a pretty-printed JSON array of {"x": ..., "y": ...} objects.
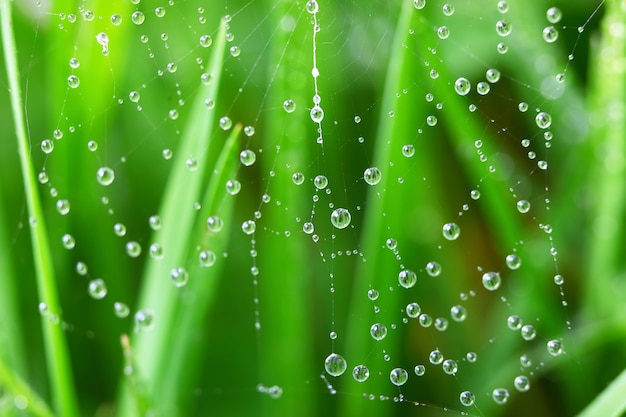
[{"x": 97, "y": 289}]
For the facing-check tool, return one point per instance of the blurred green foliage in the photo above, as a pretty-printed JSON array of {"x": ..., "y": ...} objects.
[{"x": 376, "y": 62}]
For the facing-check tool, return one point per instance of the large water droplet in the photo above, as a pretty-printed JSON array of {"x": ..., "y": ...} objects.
[
  {"x": 467, "y": 398},
  {"x": 451, "y": 231},
  {"x": 500, "y": 396},
  {"x": 378, "y": 331},
  {"x": 340, "y": 218},
  {"x": 550, "y": 34},
  {"x": 407, "y": 278},
  {"x": 372, "y": 176},
  {"x": 179, "y": 276},
  {"x": 360, "y": 373},
  {"x": 503, "y": 28},
  {"x": 491, "y": 280},
  {"x": 97, "y": 289},
  {"x": 335, "y": 364},
  {"x": 105, "y": 176},
  {"x": 247, "y": 157},
  {"x": 462, "y": 86}
]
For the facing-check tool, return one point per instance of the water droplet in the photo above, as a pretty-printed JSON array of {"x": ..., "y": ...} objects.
[
  {"x": 420, "y": 370},
  {"x": 73, "y": 81},
  {"x": 503, "y": 6},
  {"x": 105, "y": 176},
  {"x": 555, "y": 347},
  {"x": 320, "y": 182},
  {"x": 435, "y": 357},
  {"x": 431, "y": 120},
  {"x": 159, "y": 11},
  {"x": 502, "y": 48},
  {"x": 97, "y": 289},
  {"x": 554, "y": 15},
  {"x": 360, "y": 373},
  {"x": 513, "y": 261},
  {"x": 372, "y": 294},
  {"x": 514, "y": 322},
  {"x": 235, "y": 51},
  {"x": 172, "y": 67},
  {"x": 413, "y": 310},
  {"x": 523, "y": 206},
  {"x": 433, "y": 269},
  {"x": 528, "y": 332},
  {"x": 289, "y": 106},
  {"x": 500, "y": 396},
  {"x": 207, "y": 258},
  {"x": 335, "y": 364},
  {"x": 448, "y": 9},
  {"x": 522, "y": 106},
  {"x": 458, "y": 313},
  {"x": 47, "y": 146},
  {"x": 475, "y": 194},
  {"x": 233, "y": 187},
  {"x": 144, "y": 319},
  {"x": 247, "y": 157},
  {"x": 419, "y": 4},
  {"x": 378, "y": 331},
  {"x": 119, "y": 229},
  {"x": 297, "y": 178},
  {"x": 441, "y": 324},
  {"x": 525, "y": 361},
  {"x": 173, "y": 114},
  {"x": 308, "y": 228},
  {"x": 179, "y": 276},
  {"x": 450, "y": 367},
  {"x": 550, "y": 34},
  {"x": 471, "y": 357},
  {"x": 451, "y": 231},
  {"x": 462, "y": 86},
  {"x": 226, "y": 123},
  {"x": 74, "y": 63},
  {"x": 425, "y": 320},
  {"x": 408, "y": 151},
  {"x": 138, "y": 17},
  {"x": 407, "y": 278},
  {"x": 214, "y": 224},
  {"x": 398, "y": 376},
  {"x": 248, "y": 131},
  {"x": 521, "y": 383},
  {"x": 559, "y": 280},
  {"x": 81, "y": 268},
  {"x": 156, "y": 251},
  {"x": 492, "y": 75},
  {"x": 443, "y": 32},
  {"x": 68, "y": 241},
  {"x": 340, "y": 218},
  {"x": 248, "y": 227},
  {"x": 467, "y": 398},
  {"x": 372, "y": 176},
  {"x": 503, "y": 28},
  {"x": 312, "y": 7},
  {"x": 317, "y": 114},
  {"x": 491, "y": 280},
  {"x": 543, "y": 120},
  {"x": 133, "y": 249},
  {"x": 121, "y": 309},
  {"x": 483, "y": 88}
]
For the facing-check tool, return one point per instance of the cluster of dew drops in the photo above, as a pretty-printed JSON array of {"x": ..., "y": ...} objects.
[{"x": 336, "y": 365}]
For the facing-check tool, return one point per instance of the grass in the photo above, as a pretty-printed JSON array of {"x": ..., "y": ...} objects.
[{"x": 228, "y": 333}]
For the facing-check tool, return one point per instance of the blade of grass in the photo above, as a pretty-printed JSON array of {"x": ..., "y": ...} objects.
[
  {"x": 57, "y": 356},
  {"x": 10, "y": 381},
  {"x": 611, "y": 402},
  {"x": 607, "y": 180},
  {"x": 182, "y": 190},
  {"x": 184, "y": 351}
]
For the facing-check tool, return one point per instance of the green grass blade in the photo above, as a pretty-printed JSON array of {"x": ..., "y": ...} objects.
[
  {"x": 10, "y": 381},
  {"x": 186, "y": 348},
  {"x": 58, "y": 362},
  {"x": 607, "y": 179},
  {"x": 611, "y": 402},
  {"x": 183, "y": 189}
]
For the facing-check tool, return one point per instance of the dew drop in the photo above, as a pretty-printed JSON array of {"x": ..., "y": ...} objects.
[
  {"x": 492, "y": 75},
  {"x": 335, "y": 364},
  {"x": 144, "y": 319},
  {"x": 458, "y": 313},
  {"x": 528, "y": 332},
  {"x": 483, "y": 88},
  {"x": 450, "y": 367},
  {"x": 554, "y": 15},
  {"x": 467, "y": 398},
  {"x": 413, "y": 310},
  {"x": 138, "y": 17},
  {"x": 503, "y": 6},
  {"x": 408, "y": 151},
  {"x": 207, "y": 258},
  {"x": 523, "y": 206},
  {"x": 372, "y": 176},
  {"x": 340, "y": 218},
  {"x": 297, "y": 178},
  {"x": 226, "y": 123},
  {"x": 97, "y": 289},
  {"x": 451, "y": 231},
  {"x": 543, "y": 120},
  {"x": 419, "y": 370},
  {"x": 503, "y": 28},
  {"x": 550, "y": 34},
  {"x": 206, "y": 41},
  {"x": 317, "y": 114},
  {"x": 308, "y": 228},
  {"x": 133, "y": 249},
  {"x": 448, "y": 9},
  {"x": 372, "y": 294},
  {"x": 105, "y": 176},
  {"x": 121, "y": 310},
  {"x": 513, "y": 261},
  {"x": 320, "y": 182},
  {"x": 398, "y": 376},
  {"x": 407, "y": 278},
  {"x": 500, "y": 396},
  {"x": 214, "y": 224},
  {"x": 555, "y": 347},
  {"x": 491, "y": 280},
  {"x": 360, "y": 373},
  {"x": 378, "y": 331},
  {"x": 68, "y": 241},
  {"x": 235, "y": 51},
  {"x": 156, "y": 251},
  {"x": 289, "y": 106},
  {"x": 522, "y": 106},
  {"x": 514, "y": 322},
  {"x": 521, "y": 383},
  {"x": 179, "y": 276},
  {"x": 47, "y": 146},
  {"x": 419, "y": 4},
  {"x": 462, "y": 86},
  {"x": 248, "y": 227},
  {"x": 247, "y": 157},
  {"x": 433, "y": 269},
  {"x": 73, "y": 81},
  {"x": 443, "y": 32},
  {"x": 435, "y": 357},
  {"x": 559, "y": 280}
]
